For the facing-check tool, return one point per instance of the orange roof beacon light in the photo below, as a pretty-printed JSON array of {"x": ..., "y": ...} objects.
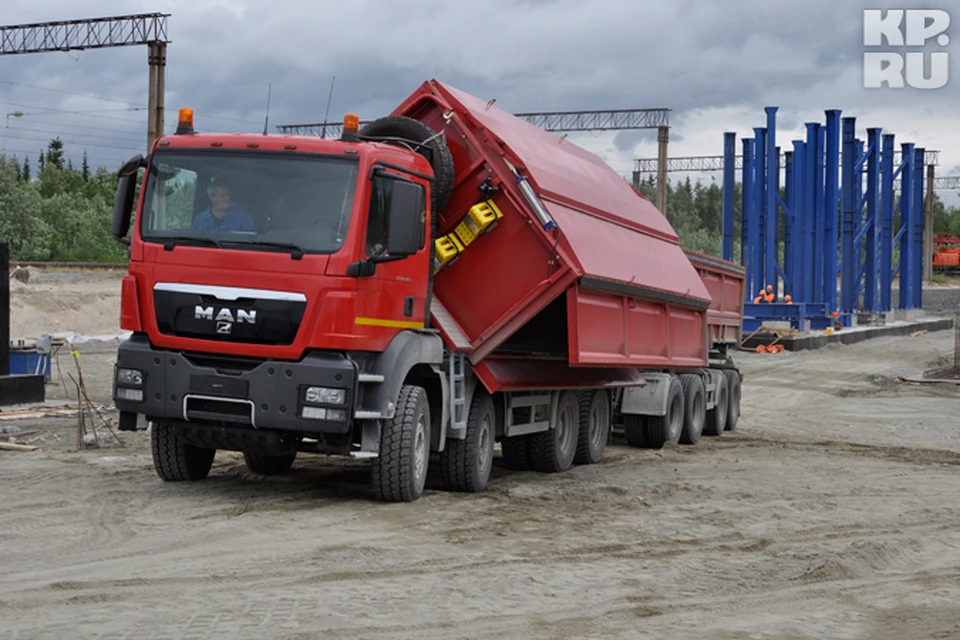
[
  {"x": 351, "y": 128},
  {"x": 185, "y": 121}
]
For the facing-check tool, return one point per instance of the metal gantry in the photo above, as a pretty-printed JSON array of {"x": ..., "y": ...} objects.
[
  {"x": 98, "y": 33},
  {"x": 716, "y": 163},
  {"x": 559, "y": 121}
]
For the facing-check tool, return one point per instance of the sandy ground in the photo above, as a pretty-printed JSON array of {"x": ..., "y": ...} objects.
[{"x": 831, "y": 512}]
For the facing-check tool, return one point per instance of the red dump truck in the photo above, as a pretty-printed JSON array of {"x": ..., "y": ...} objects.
[{"x": 443, "y": 279}]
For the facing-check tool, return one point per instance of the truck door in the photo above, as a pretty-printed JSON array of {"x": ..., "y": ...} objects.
[{"x": 395, "y": 296}]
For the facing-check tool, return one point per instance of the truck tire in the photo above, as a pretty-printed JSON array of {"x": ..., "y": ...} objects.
[
  {"x": 717, "y": 417},
  {"x": 466, "y": 464},
  {"x": 400, "y": 469},
  {"x": 733, "y": 395},
  {"x": 552, "y": 451},
  {"x": 269, "y": 465},
  {"x": 635, "y": 430},
  {"x": 516, "y": 453},
  {"x": 435, "y": 151},
  {"x": 594, "y": 426},
  {"x": 694, "y": 408},
  {"x": 173, "y": 459},
  {"x": 653, "y": 432}
]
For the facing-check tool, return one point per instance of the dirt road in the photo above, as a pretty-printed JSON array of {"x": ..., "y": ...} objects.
[{"x": 832, "y": 511}]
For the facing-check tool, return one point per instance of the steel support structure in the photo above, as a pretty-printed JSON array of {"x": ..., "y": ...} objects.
[
  {"x": 847, "y": 211},
  {"x": 98, "y": 33}
]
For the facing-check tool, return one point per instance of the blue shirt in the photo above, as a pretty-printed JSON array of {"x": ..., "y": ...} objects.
[{"x": 235, "y": 219}]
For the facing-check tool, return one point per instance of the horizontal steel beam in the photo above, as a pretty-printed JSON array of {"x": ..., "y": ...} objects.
[
  {"x": 92, "y": 33},
  {"x": 715, "y": 163},
  {"x": 616, "y": 120}
]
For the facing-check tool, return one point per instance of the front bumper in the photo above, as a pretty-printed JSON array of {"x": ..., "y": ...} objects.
[{"x": 225, "y": 391}]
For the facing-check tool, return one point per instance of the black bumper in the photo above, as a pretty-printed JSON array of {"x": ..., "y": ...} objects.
[{"x": 218, "y": 391}]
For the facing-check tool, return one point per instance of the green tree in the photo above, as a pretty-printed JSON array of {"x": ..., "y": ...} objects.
[
  {"x": 55, "y": 153},
  {"x": 25, "y": 170},
  {"x": 85, "y": 167}
]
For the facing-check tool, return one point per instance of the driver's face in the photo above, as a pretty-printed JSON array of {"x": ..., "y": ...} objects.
[{"x": 220, "y": 197}]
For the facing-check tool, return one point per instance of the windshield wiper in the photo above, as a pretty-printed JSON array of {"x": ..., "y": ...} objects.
[
  {"x": 170, "y": 243},
  {"x": 296, "y": 252}
]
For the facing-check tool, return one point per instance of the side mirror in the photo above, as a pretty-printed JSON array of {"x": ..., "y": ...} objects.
[
  {"x": 123, "y": 204},
  {"x": 406, "y": 226}
]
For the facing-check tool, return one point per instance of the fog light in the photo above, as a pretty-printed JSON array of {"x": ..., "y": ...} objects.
[
  {"x": 325, "y": 395},
  {"x": 314, "y": 413},
  {"x": 132, "y": 377},
  {"x": 134, "y": 395}
]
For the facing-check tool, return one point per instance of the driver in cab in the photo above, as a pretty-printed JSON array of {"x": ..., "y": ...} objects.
[{"x": 222, "y": 215}]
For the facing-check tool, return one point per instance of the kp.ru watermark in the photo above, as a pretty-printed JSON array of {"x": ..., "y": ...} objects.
[{"x": 903, "y": 35}]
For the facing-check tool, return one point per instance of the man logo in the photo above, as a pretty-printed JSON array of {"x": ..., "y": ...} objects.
[{"x": 225, "y": 318}]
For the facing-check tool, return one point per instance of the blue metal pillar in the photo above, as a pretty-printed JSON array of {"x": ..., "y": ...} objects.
[
  {"x": 873, "y": 187},
  {"x": 886, "y": 223},
  {"x": 772, "y": 192},
  {"x": 831, "y": 205},
  {"x": 848, "y": 222},
  {"x": 759, "y": 199},
  {"x": 906, "y": 231},
  {"x": 810, "y": 212},
  {"x": 819, "y": 253},
  {"x": 789, "y": 193},
  {"x": 729, "y": 184},
  {"x": 746, "y": 218},
  {"x": 918, "y": 224},
  {"x": 800, "y": 227}
]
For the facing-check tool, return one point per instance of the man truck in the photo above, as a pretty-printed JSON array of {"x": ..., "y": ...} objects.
[{"x": 445, "y": 278}]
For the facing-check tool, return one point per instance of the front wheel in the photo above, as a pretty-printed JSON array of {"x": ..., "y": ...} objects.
[
  {"x": 400, "y": 469},
  {"x": 176, "y": 460}
]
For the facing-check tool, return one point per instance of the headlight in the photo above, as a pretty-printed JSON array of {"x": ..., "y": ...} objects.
[
  {"x": 325, "y": 395},
  {"x": 130, "y": 377}
]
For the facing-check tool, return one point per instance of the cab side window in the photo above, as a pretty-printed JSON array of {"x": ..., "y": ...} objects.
[{"x": 378, "y": 220}]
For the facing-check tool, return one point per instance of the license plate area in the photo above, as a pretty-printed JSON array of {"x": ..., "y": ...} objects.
[{"x": 219, "y": 409}]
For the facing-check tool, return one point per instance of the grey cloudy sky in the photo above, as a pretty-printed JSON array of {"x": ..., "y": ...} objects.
[{"x": 715, "y": 64}]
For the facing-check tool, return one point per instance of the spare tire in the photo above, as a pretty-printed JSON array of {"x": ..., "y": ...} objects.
[{"x": 397, "y": 129}]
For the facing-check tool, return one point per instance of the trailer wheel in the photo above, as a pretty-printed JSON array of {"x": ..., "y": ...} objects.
[
  {"x": 594, "y": 426},
  {"x": 466, "y": 464},
  {"x": 400, "y": 469},
  {"x": 174, "y": 459},
  {"x": 402, "y": 128},
  {"x": 269, "y": 465},
  {"x": 717, "y": 417},
  {"x": 733, "y": 394},
  {"x": 635, "y": 429},
  {"x": 653, "y": 432},
  {"x": 552, "y": 451},
  {"x": 516, "y": 453},
  {"x": 694, "y": 408}
]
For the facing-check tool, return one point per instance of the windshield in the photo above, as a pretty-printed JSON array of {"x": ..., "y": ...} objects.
[{"x": 266, "y": 201}]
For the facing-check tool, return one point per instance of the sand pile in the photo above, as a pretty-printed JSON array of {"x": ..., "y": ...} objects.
[{"x": 55, "y": 302}]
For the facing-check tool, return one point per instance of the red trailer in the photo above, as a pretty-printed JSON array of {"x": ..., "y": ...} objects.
[{"x": 446, "y": 278}]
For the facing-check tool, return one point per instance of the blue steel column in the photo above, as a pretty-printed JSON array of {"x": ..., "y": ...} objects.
[
  {"x": 772, "y": 190},
  {"x": 788, "y": 232},
  {"x": 858, "y": 216},
  {"x": 831, "y": 205},
  {"x": 818, "y": 247},
  {"x": 759, "y": 188},
  {"x": 729, "y": 184},
  {"x": 870, "y": 255},
  {"x": 746, "y": 219},
  {"x": 848, "y": 262},
  {"x": 886, "y": 223},
  {"x": 906, "y": 225},
  {"x": 918, "y": 224},
  {"x": 800, "y": 227},
  {"x": 810, "y": 212}
]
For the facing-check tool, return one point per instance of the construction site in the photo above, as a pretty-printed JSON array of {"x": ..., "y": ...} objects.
[{"x": 623, "y": 437}]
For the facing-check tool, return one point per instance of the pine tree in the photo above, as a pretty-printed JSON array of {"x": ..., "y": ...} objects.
[
  {"x": 25, "y": 176},
  {"x": 41, "y": 162},
  {"x": 85, "y": 167},
  {"x": 55, "y": 153}
]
